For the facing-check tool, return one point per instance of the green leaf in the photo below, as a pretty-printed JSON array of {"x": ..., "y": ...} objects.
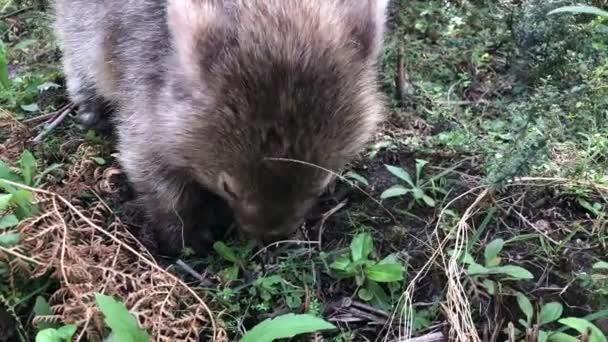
[
  {"x": 542, "y": 336},
  {"x": 561, "y": 337},
  {"x": 286, "y": 326},
  {"x": 9, "y": 239},
  {"x": 5, "y": 201},
  {"x": 99, "y": 160},
  {"x": 225, "y": 252},
  {"x": 490, "y": 286},
  {"x": 5, "y": 81},
  {"x": 513, "y": 271},
  {"x": 580, "y": 9},
  {"x": 420, "y": 164},
  {"x": 7, "y": 174},
  {"x": 385, "y": 273},
  {"x": 601, "y": 265},
  {"x": 42, "y": 308},
  {"x": 361, "y": 246},
  {"x": 526, "y": 307},
  {"x": 477, "y": 269},
  {"x": 30, "y": 108},
  {"x": 582, "y": 325},
  {"x": 341, "y": 263},
  {"x": 8, "y": 221},
  {"x": 491, "y": 252},
  {"x": 357, "y": 177},
  {"x": 231, "y": 273},
  {"x": 394, "y": 191},
  {"x": 120, "y": 320},
  {"x": 63, "y": 334},
  {"x": 550, "y": 312},
  {"x": 428, "y": 200},
  {"x": 365, "y": 294},
  {"x": 400, "y": 173},
  {"x": 28, "y": 166}
]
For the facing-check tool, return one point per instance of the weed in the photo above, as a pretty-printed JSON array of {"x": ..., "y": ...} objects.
[
  {"x": 286, "y": 326},
  {"x": 420, "y": 189},
  {"x": 369, "y": 273}
]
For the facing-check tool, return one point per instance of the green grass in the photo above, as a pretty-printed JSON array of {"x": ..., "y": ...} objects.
[{"x": 497, "y": 128}]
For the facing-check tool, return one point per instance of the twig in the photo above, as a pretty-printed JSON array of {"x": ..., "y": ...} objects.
[
  {"x": 187, "y": 268},
  {"x": 46, "y": 116},
  {"x": 275, "y": 244},
  {"x": 432, "y": 337},
  {"x": 327, "y": 215},
  {"x": 16, "y": 12},
  {"x": 51, "y": 126}
]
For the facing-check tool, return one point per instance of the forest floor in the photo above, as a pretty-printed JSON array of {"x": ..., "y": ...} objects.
[{"x": 484, "y": 194}]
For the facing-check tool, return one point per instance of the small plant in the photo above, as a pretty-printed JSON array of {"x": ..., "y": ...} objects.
[
  {"x": 550, "y": 313},
  {"x": 368, "y": 273},
  {"x": 237, "y": 256},
  {"x": 286, "y": 326},
  {"x": 420, "y": 189},
  {"x": 492, "y": 266},
  {"x": 123, "y": 324},
  {"x": 62, "y": 334}
]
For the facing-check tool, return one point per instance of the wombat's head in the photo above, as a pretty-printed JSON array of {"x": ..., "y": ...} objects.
[{"x": 257, "y": 80}]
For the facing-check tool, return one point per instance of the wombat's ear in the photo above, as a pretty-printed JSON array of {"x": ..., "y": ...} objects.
[
  {"x": 367, "y": 21},
  {"x": 189, "y": 21}
]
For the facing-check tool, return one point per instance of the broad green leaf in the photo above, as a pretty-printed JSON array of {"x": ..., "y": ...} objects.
[
  {"x": 24, "y": 44},
  {"x": 580, "y": 9},
  {"x": 417, "y": 193},
  {"x": 513, "y": 271},
  {"x": 7, "y": 174},
  {"x": 526, "y": 307},
  {"x": 490, "y": 286},
  {"x": 63, "y": 334},
  {"x": 286, "y": 326},
  {"x": 428, "y": 200},
  {"x": 357, "y": 177},
  {"x": 491, "y": 252},
  {"x": 9, "y": 239},
  {"x": 120, "y": 320},
  {"x": 390, "y": 259},
  {"x": 30, "y": 108},
  {"x": 8, "y": 221},
  {"x": 582, "y": 325},
  {"x": 394, "y": 191},
  {"x": 400, "y": 173},
  {"x": 99, "y": 161},
  {"x": 361, "y": 246},
  {"x": 542, "y": 336},
  {"x": 561, "y": 337},
  {"x": 225, "y": 252},
  {"x": 28, "y": 166},
  {"x": 601, "y": 265},
  {"x": 5, "y": 81},
  {"x": 550, "y": 312},
  {"x": 341, "y": 263},
  {"x": 477, "y": 269},
  {"x": 42, "y": 308},
  {"x": 5, "y": 201},
  {"x": 365, "y": 294},
  {"x": 385, "y": 273}
]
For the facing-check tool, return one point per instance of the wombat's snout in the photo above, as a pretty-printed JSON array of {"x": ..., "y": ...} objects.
[{"x": 272, "y": 233}]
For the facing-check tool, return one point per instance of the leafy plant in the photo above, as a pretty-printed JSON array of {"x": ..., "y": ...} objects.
[
  {"x": 237, "y": 256},
  {"x": 63, "y": 334},
  {"x": 420, "y": 189},
  {"x": 580, "y": 9},
  {"x": 368, "y": 273},
  {"x": 492, "y": 266},
  {"x": 286, "y": 326},
  {"x": 551, "y": 313},
  {"x": 123, "y": 324}
]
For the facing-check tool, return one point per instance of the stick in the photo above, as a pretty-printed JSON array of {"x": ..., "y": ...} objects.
[{"x": 51, "y": 126}]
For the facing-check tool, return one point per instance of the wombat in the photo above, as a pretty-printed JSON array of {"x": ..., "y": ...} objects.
[{"x": 250, "y": 100}]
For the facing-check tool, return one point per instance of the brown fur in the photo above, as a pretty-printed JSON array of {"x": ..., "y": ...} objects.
[{"x": 207, "y": 90}]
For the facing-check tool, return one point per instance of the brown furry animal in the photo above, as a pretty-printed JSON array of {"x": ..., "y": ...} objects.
[{"x": 208, "y": 92}]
